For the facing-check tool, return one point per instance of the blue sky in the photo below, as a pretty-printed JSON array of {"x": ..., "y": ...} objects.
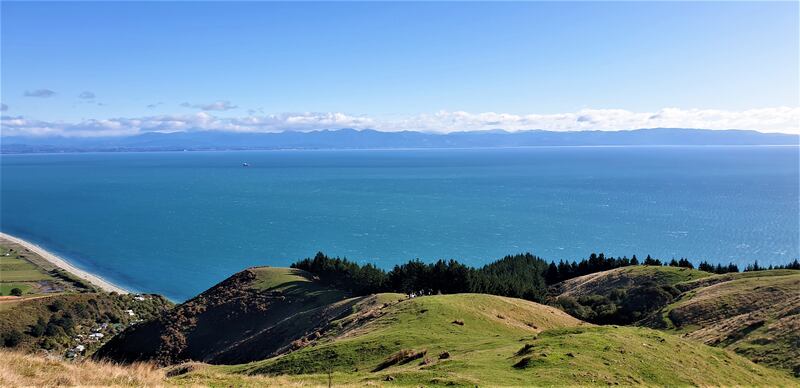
[{"x": 430, "y": 66}]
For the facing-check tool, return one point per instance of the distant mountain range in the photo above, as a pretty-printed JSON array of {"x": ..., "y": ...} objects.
[{"x": 372, "y": 139}]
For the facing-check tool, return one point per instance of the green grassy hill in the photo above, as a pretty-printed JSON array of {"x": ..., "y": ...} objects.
[
  {"x": 756, "y": 314},
  {"x": 623, "y": 295},
  {"x": 284, "y": 327},
  {"x": 503, "y": 342},
  {"x": 625, "y": 278},
  {"x": 460, "y": 324}
]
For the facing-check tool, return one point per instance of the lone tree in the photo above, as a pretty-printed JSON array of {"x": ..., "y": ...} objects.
[{"x": 16, "y": 291}]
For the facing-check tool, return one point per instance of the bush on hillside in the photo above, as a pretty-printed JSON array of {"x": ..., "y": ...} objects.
[
  {"x": 620, "y": 306},
  {"x": 11, "y": 338}
]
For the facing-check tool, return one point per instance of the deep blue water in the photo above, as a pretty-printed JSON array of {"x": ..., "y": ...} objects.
[{"x": 176, "y": 223}]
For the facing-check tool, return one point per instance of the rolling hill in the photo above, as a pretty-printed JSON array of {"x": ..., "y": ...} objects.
[
  {"x": 755, "y": 314},
  {"x": 623, "y": 295},
  {"x": 254, "y": 314},
  {"x": 285, "y": 327}
]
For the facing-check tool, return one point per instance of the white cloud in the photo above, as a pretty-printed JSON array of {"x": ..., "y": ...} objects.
[
  {"x": 217, "y": 105},
  {"x": 86, "y": 95},
  {"x": 779, "y": 119}
]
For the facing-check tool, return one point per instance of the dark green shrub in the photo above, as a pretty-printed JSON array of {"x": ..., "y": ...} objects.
[{"x": 12, "y": 338}]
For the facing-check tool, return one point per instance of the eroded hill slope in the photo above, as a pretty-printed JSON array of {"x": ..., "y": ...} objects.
[
  {"x": 756, "y": 314},
  {"x": 254, "y": 314}
]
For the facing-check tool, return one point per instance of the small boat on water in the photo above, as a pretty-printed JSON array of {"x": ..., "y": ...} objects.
[{"x": 245, "y": 164}]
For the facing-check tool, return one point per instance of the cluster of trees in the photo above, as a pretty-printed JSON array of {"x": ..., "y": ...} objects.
[
  {"x": 565, "y": 270},
  {"x": 521, "y": 276},
  {"x": 719, "y": 268},
  {"x": 60, "y": 323},
  {"x": 345, "y": 274},
  {"x": 599, "y": 262},
  {"x": 755, "y": 267},
  {"x": 733, "y": 268},
  {"x": 68, "y": 315}
]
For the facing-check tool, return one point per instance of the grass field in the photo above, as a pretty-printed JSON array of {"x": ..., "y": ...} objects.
[
  {"x": 34, "y": 275},
  {"x": 291, "y": 282},
  {"x": 486, "y": 336},
  {"x": 5, "y": 288},
  {"x": 19, "y": 273},
  {"x": 752, "y": 313},
  {"x": 14, "y": 269}
]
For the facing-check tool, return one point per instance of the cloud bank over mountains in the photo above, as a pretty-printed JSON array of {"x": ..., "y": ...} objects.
[{"x": 777, "y": 119}]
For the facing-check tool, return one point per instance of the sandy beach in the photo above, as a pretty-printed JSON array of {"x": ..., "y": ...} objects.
[{"x": 63, "y": 264}]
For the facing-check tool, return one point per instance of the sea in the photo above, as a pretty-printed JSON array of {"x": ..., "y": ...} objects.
[{"x": 175, "y": 223}]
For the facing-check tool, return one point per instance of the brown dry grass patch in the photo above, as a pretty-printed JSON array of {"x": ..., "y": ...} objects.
[{"x": 24, "y": 370}]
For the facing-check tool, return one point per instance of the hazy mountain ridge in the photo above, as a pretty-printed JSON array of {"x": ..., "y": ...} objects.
[{"x": 371, "y": 139}]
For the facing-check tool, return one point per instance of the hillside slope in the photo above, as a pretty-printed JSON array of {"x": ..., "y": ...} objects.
[
  {"x": 623, "y": 295},
  {"x": 254, "y": 314},
  {"x": 756, "y": 314},
  {"x": 60, "y": 323},
  {"x": 625, "y": 278},
  {"x": 284, "y": 327},
  {"x": 474, "y": 339},
  {"x": 33, "y": 370}
]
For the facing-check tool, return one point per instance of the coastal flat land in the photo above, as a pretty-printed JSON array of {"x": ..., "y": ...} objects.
[
  {"x": 24, "y": 275},
  {"x": 37, "y": 272}
]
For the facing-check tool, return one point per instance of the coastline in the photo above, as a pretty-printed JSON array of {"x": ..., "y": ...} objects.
[{"x": 57, "y": 261}]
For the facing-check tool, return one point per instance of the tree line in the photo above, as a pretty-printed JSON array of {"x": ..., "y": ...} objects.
[
  {"x": 521, "y": 276},
  {"x": 517, "y": 276}
]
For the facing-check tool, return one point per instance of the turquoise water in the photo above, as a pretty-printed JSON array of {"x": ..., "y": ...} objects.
[{"x": 176, "y": 223}]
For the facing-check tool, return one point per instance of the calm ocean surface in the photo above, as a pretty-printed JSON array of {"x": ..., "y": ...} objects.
[{"x": 176, "y": 223}]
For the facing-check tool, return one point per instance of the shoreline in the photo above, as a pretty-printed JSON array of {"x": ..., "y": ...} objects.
[{"x": 59, "y": 262}]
